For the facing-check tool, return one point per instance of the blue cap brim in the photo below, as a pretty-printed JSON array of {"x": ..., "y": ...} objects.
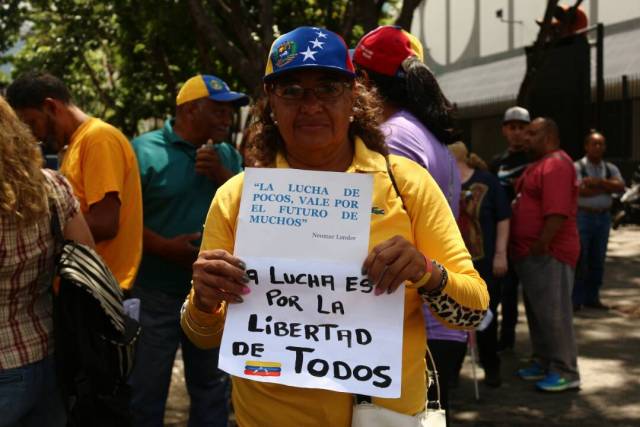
[
  {"x": 237, "y": 98},
  {"x": 335, "y": 69}
]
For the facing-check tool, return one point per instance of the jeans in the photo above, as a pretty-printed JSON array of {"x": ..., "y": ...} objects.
[
  {"x": 29, "y": 396},
  {"x": 161, "y": 335},
  {"x": 594, "y": 237}
]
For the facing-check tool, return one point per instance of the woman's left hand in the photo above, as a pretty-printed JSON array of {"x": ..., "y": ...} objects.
[
  {"x": 500, "y": 265},
  {"x": 392, "y": 262}
]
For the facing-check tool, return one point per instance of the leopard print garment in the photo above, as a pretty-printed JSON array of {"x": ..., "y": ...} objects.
[{"x": 452, "y": 312}]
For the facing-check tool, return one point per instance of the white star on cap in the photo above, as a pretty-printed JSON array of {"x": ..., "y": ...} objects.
[
  {"x": 321, "y": 34},
  {"x": 308, "y": 54},
  {"x": 317, "y": 44}
]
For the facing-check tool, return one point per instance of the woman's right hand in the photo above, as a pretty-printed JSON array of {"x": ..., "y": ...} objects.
[{"x": 218, "y": 276}]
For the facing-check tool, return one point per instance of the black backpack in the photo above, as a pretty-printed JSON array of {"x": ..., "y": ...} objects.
[{"x": 94, "y": 339}]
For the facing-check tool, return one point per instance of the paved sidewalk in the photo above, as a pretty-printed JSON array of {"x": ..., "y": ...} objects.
[{"x": 609, "y": 362}]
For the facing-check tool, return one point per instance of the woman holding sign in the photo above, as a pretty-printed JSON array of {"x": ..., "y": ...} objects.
[{"x": 318, "y": 118}]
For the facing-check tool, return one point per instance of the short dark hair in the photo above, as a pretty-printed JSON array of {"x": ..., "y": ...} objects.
[{"x": 29, "y": 90}]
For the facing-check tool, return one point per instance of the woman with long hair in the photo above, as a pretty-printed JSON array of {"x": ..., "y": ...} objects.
[
  {"x": 29, "y": 196},
  {"x": 417, "y": 116},
  {"x": 418, "y": 125}
]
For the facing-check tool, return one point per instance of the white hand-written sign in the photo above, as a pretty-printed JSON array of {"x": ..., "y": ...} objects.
[
  {"x": 311, "y": 319},
  {"x": 316, "y": 325}
]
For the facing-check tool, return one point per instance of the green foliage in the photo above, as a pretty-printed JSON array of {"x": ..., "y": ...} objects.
[{"x": 125, "y": 59}]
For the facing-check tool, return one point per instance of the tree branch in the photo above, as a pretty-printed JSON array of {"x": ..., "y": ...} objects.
[
  {"x": 107, "y": 100},
  {"x": 160, "y": 56},
  {"x": 406, "y": 13},
  {"x": 348, "y": 21},
  {"x": 238, "y": 20},
  {"x": 266, "y": 23},
  {"x": 249, "y": 72}
]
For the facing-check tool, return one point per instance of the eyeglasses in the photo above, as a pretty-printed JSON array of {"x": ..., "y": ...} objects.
[{"x": 324, "y": 91}]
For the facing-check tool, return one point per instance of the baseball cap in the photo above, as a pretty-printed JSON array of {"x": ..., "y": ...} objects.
[
  {"x": 206, "y": 86},
  {"x": 516, "y": 114},
  {"x": 308, "y": 48},
  {"x": 382, "y": 50}
]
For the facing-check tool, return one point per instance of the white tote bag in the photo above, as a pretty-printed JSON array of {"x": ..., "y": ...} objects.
[{"x": 366, "y": 414}]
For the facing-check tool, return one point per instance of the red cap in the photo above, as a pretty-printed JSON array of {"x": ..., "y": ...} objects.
[{"x": 383, "y": 50}]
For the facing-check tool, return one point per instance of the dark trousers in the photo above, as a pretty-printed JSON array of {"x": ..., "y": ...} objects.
[
  {"x": 547, "y": 285},
  {"x": 448, "y": 357},
  {"x": 509, "y": 311},
  {"x": 488, "y": 338}
]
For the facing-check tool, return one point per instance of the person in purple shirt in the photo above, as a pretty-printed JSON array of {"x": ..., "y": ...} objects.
[
  {"x": 408, "y": 137},
  {"x": 417, "y": 125}
]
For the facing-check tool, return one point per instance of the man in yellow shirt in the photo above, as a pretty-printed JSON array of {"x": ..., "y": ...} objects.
[{"x": 98, "y": 161}]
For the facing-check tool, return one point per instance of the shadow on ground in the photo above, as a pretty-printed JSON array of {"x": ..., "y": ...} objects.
[{"x": 609, "y": 362}]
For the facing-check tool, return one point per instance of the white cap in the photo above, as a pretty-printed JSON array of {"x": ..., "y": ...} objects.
[{"x": 518, "y": 114}]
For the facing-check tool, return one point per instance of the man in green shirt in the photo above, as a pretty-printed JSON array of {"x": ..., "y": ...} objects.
[{"x": 181, "y": 167}]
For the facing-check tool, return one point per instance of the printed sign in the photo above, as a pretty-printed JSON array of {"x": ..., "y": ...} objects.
[{"x": 291, "y": 213}]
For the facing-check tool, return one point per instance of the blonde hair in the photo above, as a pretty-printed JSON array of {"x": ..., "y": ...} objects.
[
  {"x": 461, "y": 154},
  {"x": 23, "y": 192}
]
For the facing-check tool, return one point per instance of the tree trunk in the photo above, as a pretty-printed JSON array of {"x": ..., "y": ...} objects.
[
  {"x": 406, "y": 13},
  {"x": 249, "y": 72}
]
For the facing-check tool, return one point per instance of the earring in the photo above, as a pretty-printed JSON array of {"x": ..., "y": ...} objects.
[
  {"x": 351, "y": 119},
  {"x": 273, "y": 117}
]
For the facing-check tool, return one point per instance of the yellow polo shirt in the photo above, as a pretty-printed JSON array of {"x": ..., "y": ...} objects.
[
  {"x": 430, "y": 226},
  {"x": 100, "y": 160}
]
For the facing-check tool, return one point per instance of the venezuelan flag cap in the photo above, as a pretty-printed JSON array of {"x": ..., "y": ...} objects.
[
  {"x": 204, "y": 86},
  {"x": 308, "y": 48},
  {"x": 382, "y": 50}
]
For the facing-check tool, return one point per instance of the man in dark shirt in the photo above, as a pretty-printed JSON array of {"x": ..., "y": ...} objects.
[{"x": 508, "y": 166}]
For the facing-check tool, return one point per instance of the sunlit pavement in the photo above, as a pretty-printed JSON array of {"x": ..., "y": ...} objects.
[{"x": 609, "y": 362}]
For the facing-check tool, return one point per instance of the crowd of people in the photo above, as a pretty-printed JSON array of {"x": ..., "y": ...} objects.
[{"x": 461, "y": 234}]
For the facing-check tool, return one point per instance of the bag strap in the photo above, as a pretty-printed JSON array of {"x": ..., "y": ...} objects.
[
  {"x": 435, "y": 378},
  {"x": 583, "y": 168},
  {"x": 360, "y": 398},
  {"x": 56, "y": 228},
  {"x": 395, "y": 184}
]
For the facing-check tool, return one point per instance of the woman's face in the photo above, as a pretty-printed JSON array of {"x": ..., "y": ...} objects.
[{"x": 312, "y": 108}]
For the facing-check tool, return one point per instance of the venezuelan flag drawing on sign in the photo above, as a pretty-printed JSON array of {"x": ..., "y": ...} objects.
[{"x": 262, "y": 369}]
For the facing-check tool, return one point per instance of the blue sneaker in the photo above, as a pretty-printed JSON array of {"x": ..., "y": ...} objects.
[
  {"x": 532, "y": 373},
  {"x": 554, "y": 382}
]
